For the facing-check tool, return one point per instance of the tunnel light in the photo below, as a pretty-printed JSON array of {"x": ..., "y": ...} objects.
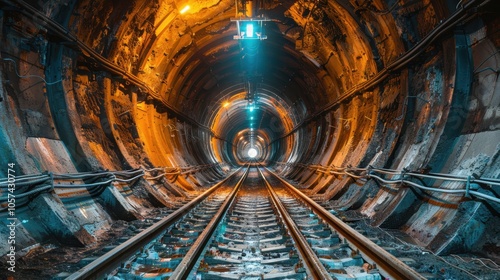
[
  {"x": 251, "y": 118},
  {"x": 225, "y": 104},
  {"x": 249, "y": 30},
  {"x": 252, "y": 153},
  {"x": 185, "y": 9},
  {"x": 251, "y": 108}
]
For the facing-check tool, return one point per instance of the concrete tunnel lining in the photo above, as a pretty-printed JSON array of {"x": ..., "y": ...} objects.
[{"x": 402, "y": 85}]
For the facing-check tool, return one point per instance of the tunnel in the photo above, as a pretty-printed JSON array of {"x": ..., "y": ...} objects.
[{"x": 113, "y": 111}]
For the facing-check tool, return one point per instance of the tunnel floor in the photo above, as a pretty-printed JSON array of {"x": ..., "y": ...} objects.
[{"x": 53, "y": 261}]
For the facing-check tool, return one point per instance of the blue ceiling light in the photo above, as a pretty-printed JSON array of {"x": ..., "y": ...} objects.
[{"x": 249, "y": 30}]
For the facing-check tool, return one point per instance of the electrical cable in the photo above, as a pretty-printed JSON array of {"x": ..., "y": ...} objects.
[
  {"x": 27, "y": 180},
  {"x": 158, "y": 169},
  {"x": 404, "y": 179},
  {"x": 480, "y": 260},
  {"x": 41, "y": 189},
  {"x": 93, "y": 188},
  {"x": 4, "y": 184},
  {"x": 70, "y": 186},
  {"x": 355, "y": 176},
  {"x": 131, "y": 172},
  {"x": 79, "y": 175},
  {"x": 156, "y": 177},
  {"x": 34, "y": 182},
  {"x": 129, "y": 180},
  {"x": 30, "y": 76},
  {"x": 487, "y": 197}
]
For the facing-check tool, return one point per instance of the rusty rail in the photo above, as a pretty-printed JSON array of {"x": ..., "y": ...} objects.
[
  {"x": 312, "y": 262},
  {"x": 386, "y": 262},
  {"x": 184, "y": 268},
  {"x": 114, "y": 258}
]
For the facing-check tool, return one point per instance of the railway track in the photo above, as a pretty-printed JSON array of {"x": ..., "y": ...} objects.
[
  {"x": 345, "y": 252},
  {"x": 250, "y": 226},
  {"x": 122, "y": 258}
]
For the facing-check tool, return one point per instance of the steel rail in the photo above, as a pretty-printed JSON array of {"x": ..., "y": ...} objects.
[
  {"x": 370, "y": 251},
  {"x": 190, "y": 259},
  {"x": 110, "y": 66},
  {"x": 111, "y": 260},
  {"x": 445, "y": 26},
  {"x": 311, "y": 260}
]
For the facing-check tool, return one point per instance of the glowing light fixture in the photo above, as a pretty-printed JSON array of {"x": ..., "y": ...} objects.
[
  {"x": 252, "y": 153},
  {"x": 225, "y": 104},
  {"x": 249, "y": 32},
  {"x": 185, "y": 9},
  {"x": 250, "y": 28}
]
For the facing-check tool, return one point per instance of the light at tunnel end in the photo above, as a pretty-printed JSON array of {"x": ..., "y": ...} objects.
[{"x": 252, "y": 153}]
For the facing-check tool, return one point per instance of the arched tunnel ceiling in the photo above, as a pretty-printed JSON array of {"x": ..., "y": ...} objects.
[
  {"x": 392, "y": 84},
  {"x": 215, "y": 68},
  {"x": 316, "y": 57},
  {"x": 201, "y": 65}
]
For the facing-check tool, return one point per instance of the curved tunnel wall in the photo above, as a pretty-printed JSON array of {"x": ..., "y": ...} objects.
[{"x": 403, "y": 85}]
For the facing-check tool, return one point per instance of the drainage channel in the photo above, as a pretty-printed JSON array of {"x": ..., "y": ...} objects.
[
  {"x": 345, "y": 253},
  {"x": 160, "y": 251}
]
